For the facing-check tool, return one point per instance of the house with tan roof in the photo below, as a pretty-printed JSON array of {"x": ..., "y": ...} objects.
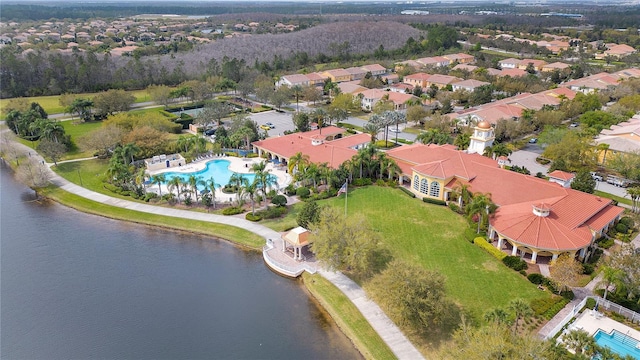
[
  {"x": 418, "y": 79},
  {"x": 357, "y": 73},
  {"x": 535, "y": 219},
  {"x": 434, "y": 61},
  {"x": 512, "y": 73},
  {"x": 555, "y": 66},
  {"x": 465, "y": 67},
  {"x": 621, "y": 138},
  {"x": 293, "y": 80},
  {"x": 337, "y": 75},
  {"x": 617, "y": 51},
  {"x": 375, "y": 69},
  {"x": 351, "y": 87},
  {"x": 460, "y": 58},
  {"x": 537, "y": 64},
  {"x": 468, "y": 85},
  {"x": 407, "y": 63},
  {"x": 441, "y": 81},
  {"x": 509, "y": 63},
  {"x": 372, "y": 96}
]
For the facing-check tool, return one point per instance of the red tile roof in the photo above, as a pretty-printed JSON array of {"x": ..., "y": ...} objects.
[{"x": 562, "y": 175}]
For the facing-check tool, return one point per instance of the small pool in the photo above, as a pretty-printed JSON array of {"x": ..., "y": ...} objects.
[
  {"x": 618, "y": 342},
  {"x": 218, "y": 169}
]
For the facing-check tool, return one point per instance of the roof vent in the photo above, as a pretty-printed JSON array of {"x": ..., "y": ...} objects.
[{"x": 541, "y": 209}]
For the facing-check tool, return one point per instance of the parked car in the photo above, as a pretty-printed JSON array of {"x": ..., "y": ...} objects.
[
  {"x": 617, "y": 181},
  {"x": 210, "y": 132},
  {"x": 596, "y": 176},
  {"x": 533, "y": 140},
  {"x": 574, "y": 125},
  {"x": 270, "y": 125},
  {"x": 265, "y": 127}
]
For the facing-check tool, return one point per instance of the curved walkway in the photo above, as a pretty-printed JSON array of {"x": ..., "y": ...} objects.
[{"x": 387, "y": 330}]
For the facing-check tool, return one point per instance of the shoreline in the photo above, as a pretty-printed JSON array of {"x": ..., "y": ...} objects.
[{"x": 55, "y": 192}]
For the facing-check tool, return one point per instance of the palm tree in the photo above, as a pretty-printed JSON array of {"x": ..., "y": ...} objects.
[
  {"x": 184, "y": 142},
  {"x": 312, "y": 174},
  {"x": 264, "y": 178},
  {"x": 480, "y": 206},
  {"x": 211, "y": 185},
  {"x": 634, "y": 194},
  {"x": 298, "y": 162},
  {"x": 193, "y": 183},
  {"x": 500, "y": 149},
  {"x": 610, "y": 276},
  {"x": 250, "y": 190},
  {"x": 158, "y": 179},
  {"x": 433, "y": 136},
  {"x": 372, "y": 128},
  {"x": 497, "y": 315},
  {"x": 175, "y": 183},
  {"x": 521, "y": 309},
  {"x": 463, "y": 194},
  {"x": 578, "y": 340},
  {"x": 296, "y": 90},
  {"x": 141, "y": 177},
  {"x": 128, "y": 152}
]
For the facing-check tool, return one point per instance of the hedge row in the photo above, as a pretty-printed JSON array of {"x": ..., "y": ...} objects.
[
  {"x": 480, "y": 241},
  {"x": 407, "y": 191},
  {"x": 434, "y": 201},
  {"x": 234, "y": 210}
]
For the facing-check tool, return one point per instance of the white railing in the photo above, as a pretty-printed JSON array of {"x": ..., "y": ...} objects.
[
  {"x": 611, "y": 306},
  {"x": 565, "y": 321}
]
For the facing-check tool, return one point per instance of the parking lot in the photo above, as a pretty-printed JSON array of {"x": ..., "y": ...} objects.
[{"x": 280, "y": 121}]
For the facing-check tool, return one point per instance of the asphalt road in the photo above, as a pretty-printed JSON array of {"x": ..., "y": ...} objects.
[{"x": 527, "y": 158}]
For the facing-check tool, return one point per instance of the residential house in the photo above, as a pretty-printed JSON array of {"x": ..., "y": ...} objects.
[
  {"x": 460, "y": 58},
  {"x": 537, "y": 64},
  {"x": 371, "y": 97},
  {"x": 468, "y": 85},
  {"x": 441, "y": 81},
  {"x": 556, "y": 66},
  {"x": 512, "y": 73},
  {"x": 401, "y": 88},
  {"x": 356, "y": 73},
  {"x": 509, "y": 63},
  {"x": 435, "y": 61},
  {"x": 316, "y": 79},
  {"x": 617, "y": 51},
  {"x": 293, "y": 80},
  {"x": 465, "y": 67},
  {"x": 375, "y": 69},
  {"x": 417, "y": 79},
  {"x": 351, "y": 87},
  {"x": 562, "y": 178},
  {"x": 337, "y": 75},
  {"x": 621, "y": 138}
]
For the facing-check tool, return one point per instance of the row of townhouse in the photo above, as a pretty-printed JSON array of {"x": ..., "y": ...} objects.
[
  {"x": 601, "y": 81},
  {"x": 425, "y": 80},
  {"x": 437, "y": 61},
  {"x": 335, "y": 75},
  {"x": 511, "y": 108},
  {"x": 538, "y": 65}
]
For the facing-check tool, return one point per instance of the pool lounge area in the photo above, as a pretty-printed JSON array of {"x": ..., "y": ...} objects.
[
  {"x": 619, "y": 337},
  {"x": 221, "y": 168}
]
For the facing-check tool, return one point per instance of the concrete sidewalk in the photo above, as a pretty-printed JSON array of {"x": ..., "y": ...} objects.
[{"x": 387, "y": 330}]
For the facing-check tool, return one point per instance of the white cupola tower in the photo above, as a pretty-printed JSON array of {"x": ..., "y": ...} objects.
[{"x": 482, "y": 138}]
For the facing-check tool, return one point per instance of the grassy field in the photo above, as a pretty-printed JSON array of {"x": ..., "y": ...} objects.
[
  {"x": 51, "y": 104},
  {"x": 348, "y": 318},
  {"x": 431, "y": 236},
  {"x": 220, "y": 231},
  {"x": 619, "y": 199}
]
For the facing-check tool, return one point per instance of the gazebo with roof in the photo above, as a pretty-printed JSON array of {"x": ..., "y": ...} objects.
[{"x": 296, "y": 239}]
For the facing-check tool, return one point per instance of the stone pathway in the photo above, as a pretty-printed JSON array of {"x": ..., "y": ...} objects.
[{"x": 387, "y": 330}]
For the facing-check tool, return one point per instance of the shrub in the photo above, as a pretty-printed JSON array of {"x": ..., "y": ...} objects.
[
  {"x": 407, "y": 191},
  {"x": 253, "y": 217},
  {"x": 515, "y": 263},
  {"x": 536, "y": 278},
  {"x": 233, "y": 210},
  {"x": 381, "y": 182},
  {"x": 622, "y": 228},
  {"x": 455, "y": 208},
  {"x": 273, "y": 212},
  {"x": 541, "y": 305},
  {"x": 303, "y": 192},
  {"x": 279, "y": 200},
  {"x": 290, "y": 190},
  {"x": 362, "y": 182},
  {"x": 481, "y": 242},
  {"x": 553, "y": 310},
  {"x": 434, "y": 201},
  {"x": 542, "y": 161},
  {"x": 568, "y": 294},
  {"x": 627, "y": 221},
  {"x": 587, "y": 269},
  {"x": 591, "y": 303},
  {"x": 523, "y": 272},
  {"x": 606, "y": 243},
  {"x": 470, "y": 234}
]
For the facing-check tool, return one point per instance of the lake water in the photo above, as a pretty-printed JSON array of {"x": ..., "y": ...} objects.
[{"x": 80, "y": 286}]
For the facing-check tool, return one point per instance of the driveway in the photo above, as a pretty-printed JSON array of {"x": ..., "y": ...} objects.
[{"x": 527, "y": 158}]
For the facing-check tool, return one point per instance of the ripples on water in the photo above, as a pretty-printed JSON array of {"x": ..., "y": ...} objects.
[{"x": 81, "y": 286}]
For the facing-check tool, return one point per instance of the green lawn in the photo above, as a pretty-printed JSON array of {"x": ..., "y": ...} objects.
[
  {"x": 619, "y": 199},
  {"x": 348, "y": 318},
  {"x": 431, "y": 236},
  {"x": 220, "y": 231},
  {"x": 51, "y": 104}
]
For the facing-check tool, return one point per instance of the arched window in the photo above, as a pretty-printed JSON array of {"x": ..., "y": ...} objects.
[
  {"x": 434, "y": 190},
  {"x": 416, "y": 182},
  {"x": 424, "y": 186}
]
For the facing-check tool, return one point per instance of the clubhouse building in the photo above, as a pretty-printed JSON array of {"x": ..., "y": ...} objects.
[{"x": 536, "y": 219}]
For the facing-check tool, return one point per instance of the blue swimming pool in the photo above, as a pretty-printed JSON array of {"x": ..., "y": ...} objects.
[
  {"x": 218, "y": 169},
  {"x": 619, "y": 342}
]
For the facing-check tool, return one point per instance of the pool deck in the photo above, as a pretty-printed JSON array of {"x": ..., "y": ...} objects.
[
  {"x": 591, "y": 321},
  {"x": 236, "y": 164}
]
